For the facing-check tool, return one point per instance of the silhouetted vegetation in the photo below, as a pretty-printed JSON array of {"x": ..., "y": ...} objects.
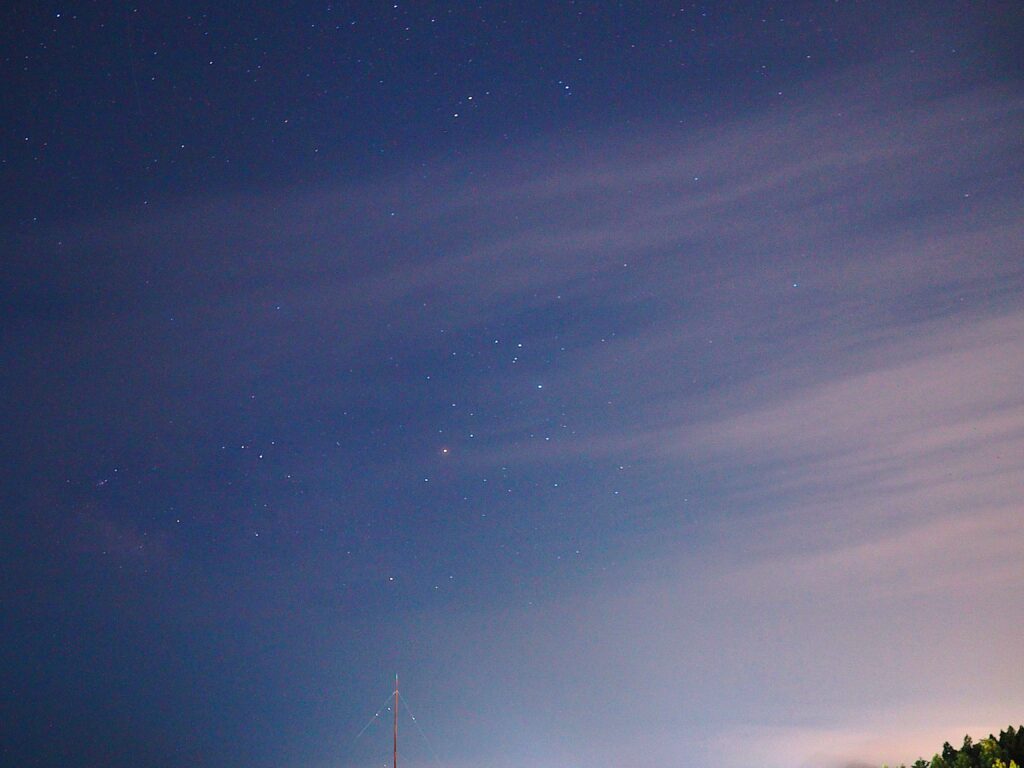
[{"x": 1003, "y": 751}]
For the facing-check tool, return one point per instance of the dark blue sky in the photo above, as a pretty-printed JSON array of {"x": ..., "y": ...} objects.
[
  {"x": 643, "y": 382},
  {"x": 111, "y": 104}
]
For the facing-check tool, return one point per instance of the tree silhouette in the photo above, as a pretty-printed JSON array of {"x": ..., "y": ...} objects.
[{"x": 1004, "y": 751}]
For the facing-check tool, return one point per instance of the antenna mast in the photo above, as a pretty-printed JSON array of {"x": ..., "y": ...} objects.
[{"x": 396, "y": 722}]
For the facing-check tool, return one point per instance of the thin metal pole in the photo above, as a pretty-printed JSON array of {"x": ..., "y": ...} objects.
[{"x": 396, "y": 721}]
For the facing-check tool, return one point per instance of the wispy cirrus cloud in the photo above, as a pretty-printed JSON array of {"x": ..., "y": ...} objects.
[{"x": 805, "y": 323}]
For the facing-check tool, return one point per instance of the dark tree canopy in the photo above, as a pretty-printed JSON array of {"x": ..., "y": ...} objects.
[{"x": 1003, "y": 751}]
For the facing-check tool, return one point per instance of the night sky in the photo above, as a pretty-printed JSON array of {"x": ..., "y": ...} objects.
[{"x": 642, "y": 382}]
